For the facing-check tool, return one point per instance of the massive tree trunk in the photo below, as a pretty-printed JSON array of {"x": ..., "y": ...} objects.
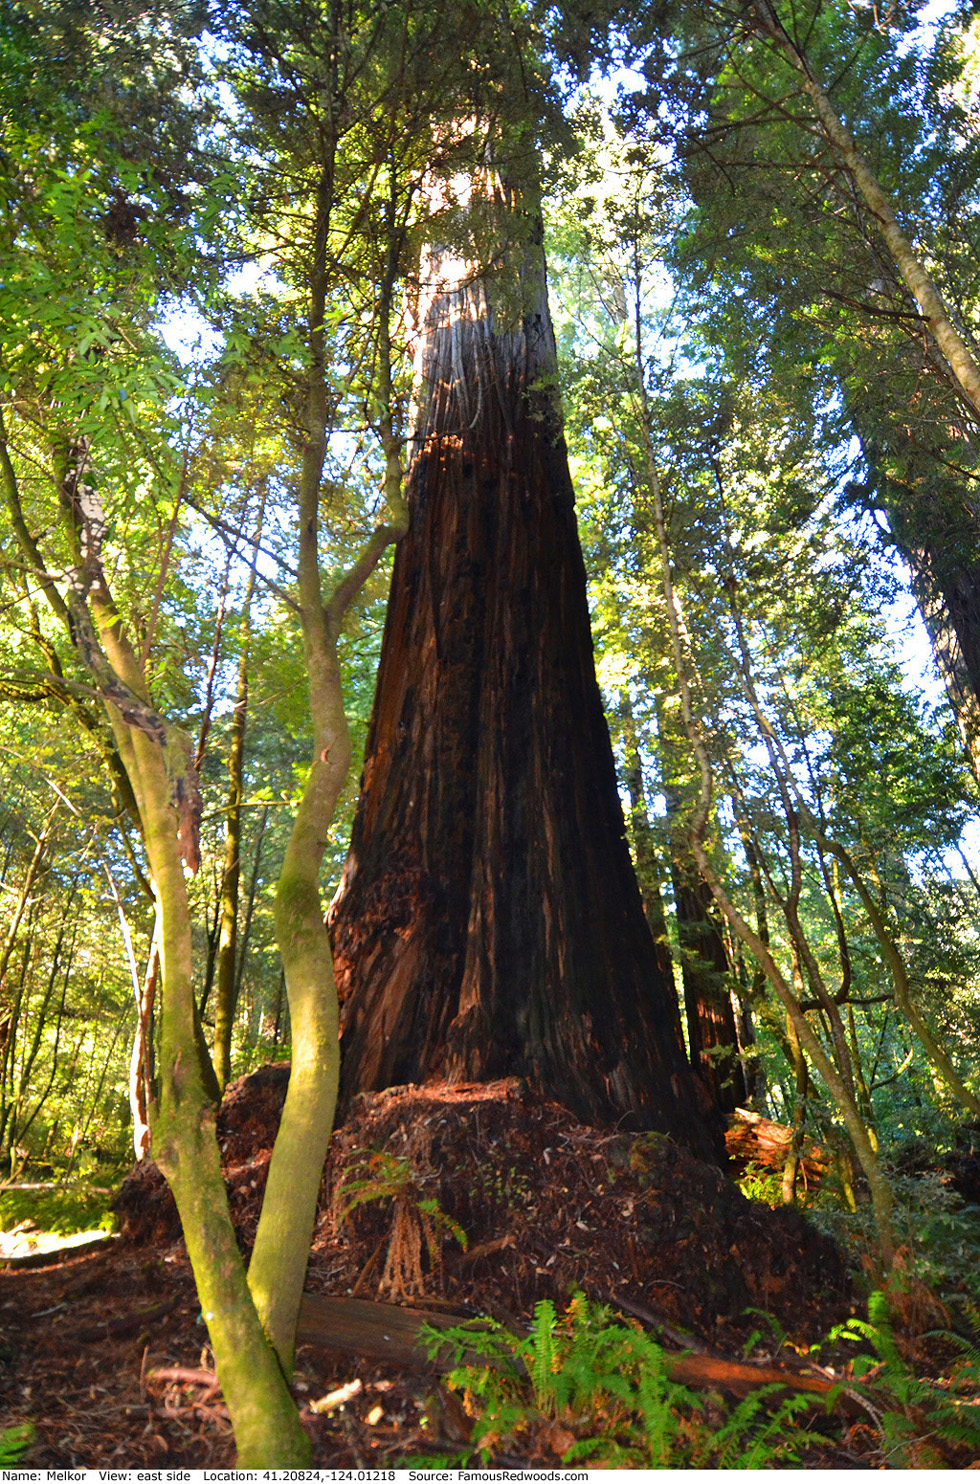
[{"x": 489, "y": 921}]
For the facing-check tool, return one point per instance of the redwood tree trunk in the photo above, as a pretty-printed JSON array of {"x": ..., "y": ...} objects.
[
  {"x": 489, "y": 921},
  {"x": 647, "y": 865},
  {"x": 712, "y": 1034},
  {"x": 711, "y": 1030},
  {"x": 948, "y": 594},
  {"x": 935, "y": 524}
]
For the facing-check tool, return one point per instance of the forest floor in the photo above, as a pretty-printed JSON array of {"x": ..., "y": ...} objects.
[{"x": 106, "y": 1352}]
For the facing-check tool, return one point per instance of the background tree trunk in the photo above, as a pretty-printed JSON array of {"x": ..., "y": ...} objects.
[
  {"x": 705, "y": 972},
  {"x": 647, "y": 865},
  {"x": 935, "y": 526},
  {"x": 489, "y": 921},
  {"x": 948, "y": 595},
  {"x": 226, "y": 999},
  {"x": 711, "y": 1031}
]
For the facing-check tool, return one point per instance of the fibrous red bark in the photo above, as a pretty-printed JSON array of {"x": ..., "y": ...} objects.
[{"x": 489, "y": 921}]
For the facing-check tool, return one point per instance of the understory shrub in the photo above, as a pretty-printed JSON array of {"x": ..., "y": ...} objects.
[{"x": 589, "y": 1389}]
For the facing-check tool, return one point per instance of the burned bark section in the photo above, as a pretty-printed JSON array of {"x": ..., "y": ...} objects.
[{"x": 489, "y": 922}]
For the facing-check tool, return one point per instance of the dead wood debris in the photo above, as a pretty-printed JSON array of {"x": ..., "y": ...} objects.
[
  {"x": 546, "y": 1205},
  {"x": 754, "y": 1140},
  {"x": 553, "y": 1206},
  {"x": 125, "y": 1325},
  {"x": 392, "y": 1332}
]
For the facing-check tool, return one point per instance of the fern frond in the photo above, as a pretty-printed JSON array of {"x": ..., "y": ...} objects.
[
  {"x": 883, "y": 1333},
  {"x": 972, "y": 1312},
  {"x": 540, "y": 1355},
  {"x": 614, "y": 1379},
  {"x": 756, "y": 1437},
  {"x": 602, "y": 1453},
  {"x": 656, "y": 1399},
  {"x": 377, "y": 1176},
  {"x": 14, "y": 1443},
  {"x": 965, "y": 1346}
]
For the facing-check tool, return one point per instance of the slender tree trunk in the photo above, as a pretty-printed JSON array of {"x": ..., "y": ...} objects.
[
  {"x": 647, "y": 865},
  {"x": 285, "y": 1230},
  {"x": 157, "y": 762},
  {"x": 489, "y": 920},
  {"x": 253, "y": 885},
  {"x": 40, "y": 1020},
  {"x": 754, "y": 1069},
  {"x": 226, "y": 997},
  {"x": 711, "y": 1030},
  {"x": 141, "y": 1062},
  {"x": 705, "y": 969},
  {"x": 53, "y": 1070},
  {"x": 953, "y": 344},
  {"x": 11, "y": 1004},
  {"x": 9, "y": 1032},
  {"x": 801, "y": 1073},
  {"x": 860, "y": 1080},
  {"x": 34, "y": 869},
  {"x": 939, "y": 1059},
  {"x": 750, "y": 1060},
  {"x": 836, "y": 1079}
]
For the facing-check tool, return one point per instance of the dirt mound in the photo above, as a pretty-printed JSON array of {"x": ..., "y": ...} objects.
[
  {"x": 543, "y": 1204},
  {"x": 248, "y": 1121}
]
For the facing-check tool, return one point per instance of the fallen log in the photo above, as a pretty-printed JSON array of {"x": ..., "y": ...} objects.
[
  {"x": 752, "y": 1139},
  {"x": 709, "y": 1372},
  {"x": 652, "y": 1320},
  {"x": 377, "y": 1331}
]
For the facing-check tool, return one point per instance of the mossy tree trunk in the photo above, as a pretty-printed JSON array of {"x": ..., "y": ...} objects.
[
  {"x": 285, "y": 1230},
  {"x": 489, "y": 921},
  {"x": 252, "y": 1338},
  {"x": 182, "y": 1116}
]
